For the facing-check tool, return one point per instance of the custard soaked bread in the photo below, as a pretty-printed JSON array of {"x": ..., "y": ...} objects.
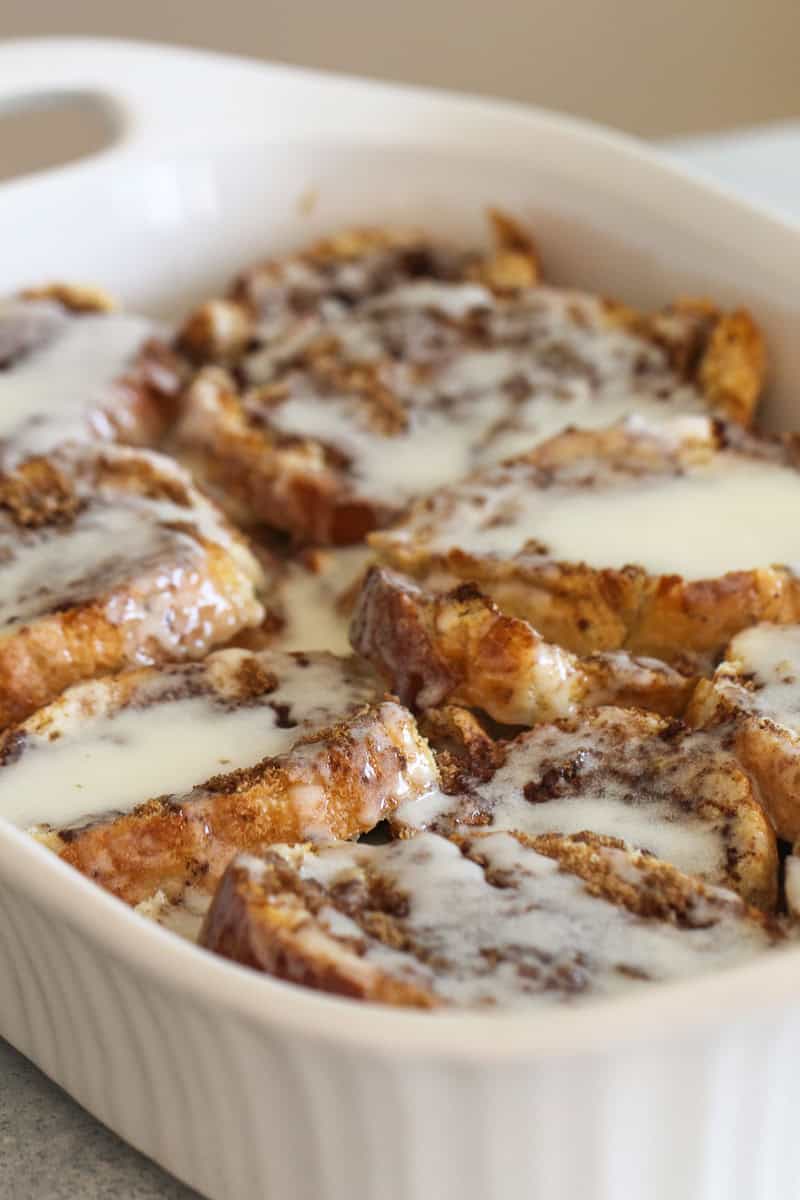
[
  {"x": 459, "y": 648},
  {"x": 374, "y": 367},
  {"x": 110, "y": 557},
  {"x": 72, "y": 368},
  {"x": 278, "y": 301},
  {"x": 753, "y": 705},
  {"x": 664, "y": 541},
  {"x": 482, "y": 920},
  {"x": 158, "y": 776},
  {"x": 657, "y": 785}
]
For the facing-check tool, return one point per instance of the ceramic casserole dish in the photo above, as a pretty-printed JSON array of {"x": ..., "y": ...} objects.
[{"x": 245, "y": 1087}]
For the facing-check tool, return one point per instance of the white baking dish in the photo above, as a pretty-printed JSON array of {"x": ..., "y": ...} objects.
[{"x": 244, "y": 1087}]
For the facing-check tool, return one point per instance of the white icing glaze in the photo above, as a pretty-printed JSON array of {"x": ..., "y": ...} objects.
[
  {"x": 410, "y": 772},
  {"x": 430, "y": 810},
  {"x": 69, "y": 561},
  {"x": 312, "y": 599},
  {"x": 619, "y": 779},
  {"x": 770, "y": 655},
  {"x": 462, "y": 399},
  {"x": 81, "y": 758},
  {"x": 116, "y": 534},
  {"x": 63, "y": 388},
  {"x": 792, "y": 885},
  {"x": 649, "y": 819},
  {"x": 716, "y": 517},
  {"x": 453, "y": 299},
  {"x": 540, "y": 939}
]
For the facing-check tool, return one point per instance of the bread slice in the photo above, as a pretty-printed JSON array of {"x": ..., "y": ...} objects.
[
  {"x": 72, "y": 368},
  {"x": 367, "y": 371},
  {"x": 181, "y": 914},
  {"x": 111, "y": 557},
  {"x": 276, "y": 302},
  {"x": 661, "y": 541},
  {"x": 483, "y": 920},
  {"x": 457, "y": 647},
  {"x": 753, "y": 704},
  {"x": 652, "y": 782},
  {"x": 150, "y": 781}
]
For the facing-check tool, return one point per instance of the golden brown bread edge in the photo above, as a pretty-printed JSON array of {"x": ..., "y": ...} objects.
[
  {"x": 652, "y": 763},
  {"x": 297, "y": 488},
  {"x": 265, "y": 924},
  {"x": 49, "y": 654},
  {"x": 723, "y": 353},
  {"x": 271, "y": 923},
  {"x": 336, "y": 782},
  {"x": 219, "y": 330},
  {"x": 293, "y": 486},
  {"x": 79, "y": 640},
  {"x": 769, "y": 751},
  {"x": 457, "y": 647},
  {"x": 685, "y": 623}
]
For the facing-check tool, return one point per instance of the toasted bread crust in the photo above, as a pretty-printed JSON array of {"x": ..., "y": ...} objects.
[
  {"x": 293, "y": 483},
  {"x": 723, "y": 353},
  {"x": 751, "y": 706},
  {"x": 355, "y": 932},
  {"x": 465, "y": 751},
  {"x": 293, "y": 487},
  {"x": 75, "y": 297},
  {"x": 732, "y": 367},
  {"x": 620, "y": 773},
  {"x": 192, "y": 585},
  {"x": 653, "y": 888},
  {"x": 259, "y": 923},
  {"x": 459, "y": 648},
  {"x": 219, "y": 330},
  {"x": 335, "y": 783},
  {"x": 768, "y": 753},
  {"x": 289, "y": 473},
  {"x": 42, "y": 659},
  {"x": 583, "y": 608}
]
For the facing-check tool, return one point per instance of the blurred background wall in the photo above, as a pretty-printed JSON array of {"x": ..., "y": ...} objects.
[{"x": 651, "y": 66}]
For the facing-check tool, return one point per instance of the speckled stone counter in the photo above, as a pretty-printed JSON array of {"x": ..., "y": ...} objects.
[{"x": 50, "y": 1149}]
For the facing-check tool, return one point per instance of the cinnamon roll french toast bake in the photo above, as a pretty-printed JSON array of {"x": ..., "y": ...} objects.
[{"x": 405, "y": 625}]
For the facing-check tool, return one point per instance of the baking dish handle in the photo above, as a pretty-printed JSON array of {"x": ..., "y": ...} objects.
[
  {"x": 166, "y": 98},
  {"x": 157, "y": 98}
]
